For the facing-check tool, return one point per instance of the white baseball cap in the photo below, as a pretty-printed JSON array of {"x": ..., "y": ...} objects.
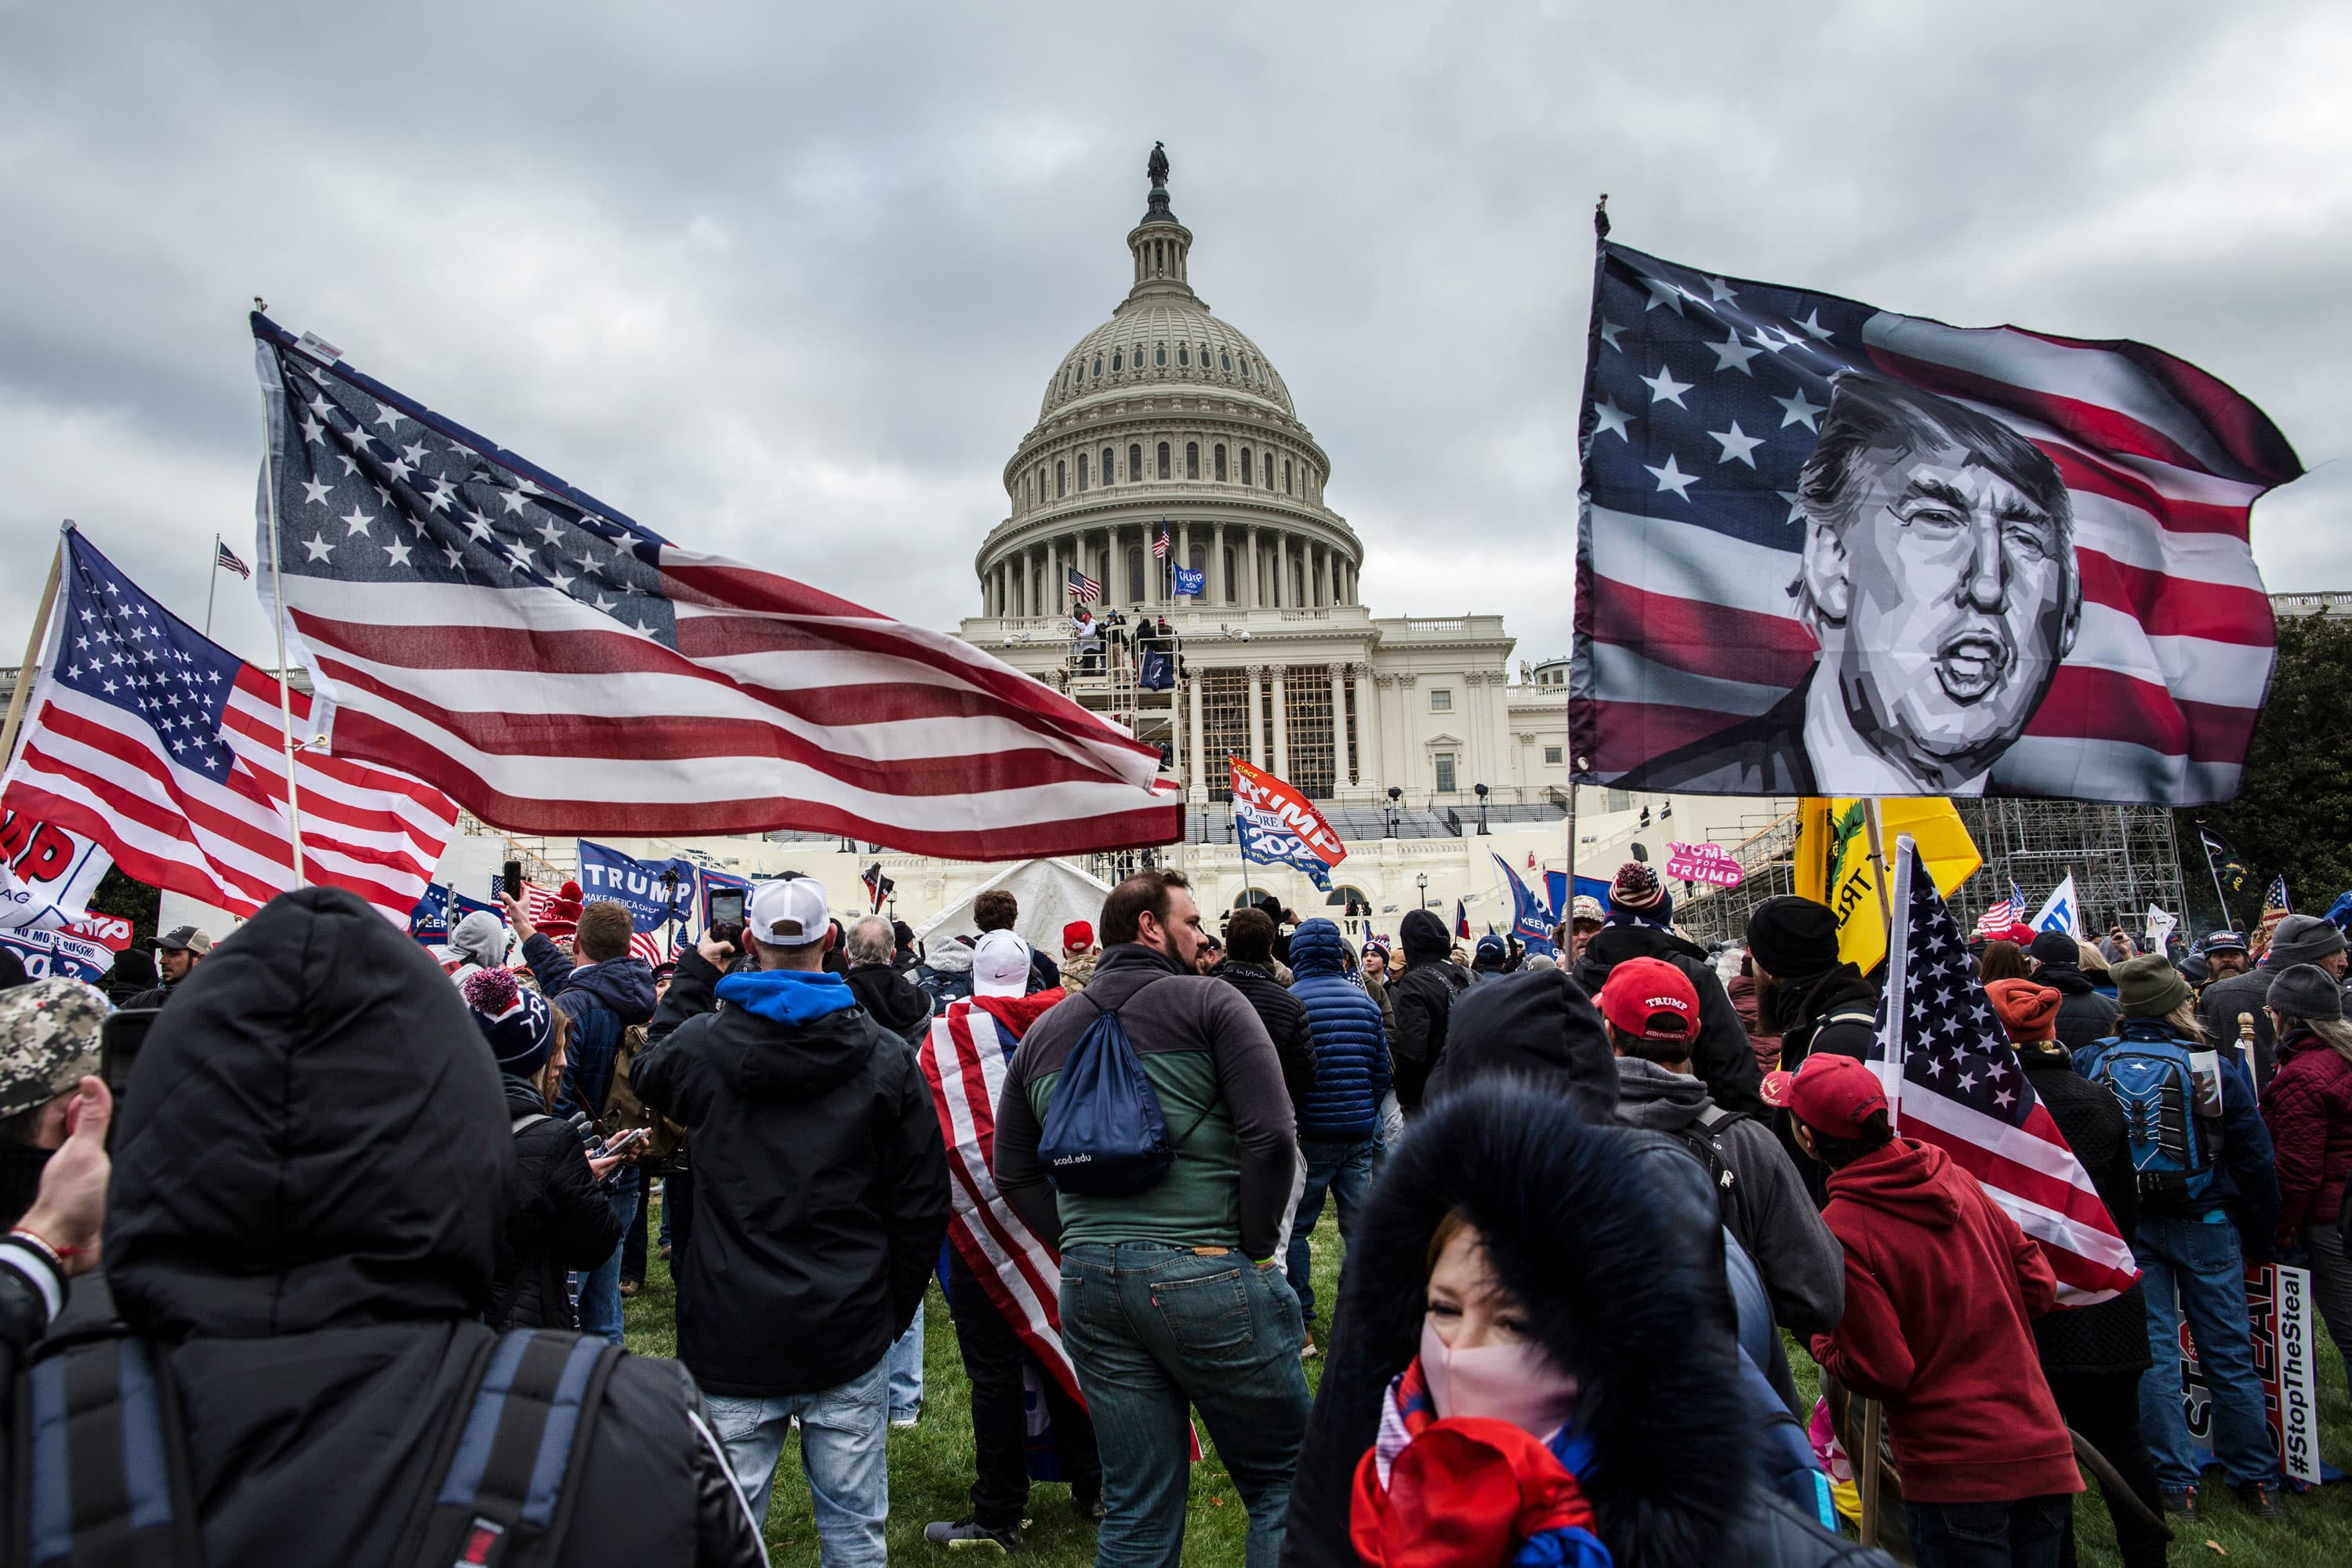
[
  {"x": 999, "y": 965},
  {"x": 789, "y": 913}
]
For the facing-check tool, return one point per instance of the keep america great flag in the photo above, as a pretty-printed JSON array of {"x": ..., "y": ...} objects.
[
  {"x": 556, "y": 666},
  {"x": 1828, "y": 549}
]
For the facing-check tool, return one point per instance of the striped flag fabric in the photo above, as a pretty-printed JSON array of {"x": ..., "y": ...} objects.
[
  {"x": 1995, "y": 920},
  {"x": 1953, "y": 1081},
  {"x": 963, "y": 1060},
  {"x": 1083, "y": 588},
  {"x": 224, "y": 559},
  {"x": 557, "y": 668},
  {"x": 166, "y": 750},
  {"x": 1161, "y": 545},
  {"x": 2055, "y": 595}
]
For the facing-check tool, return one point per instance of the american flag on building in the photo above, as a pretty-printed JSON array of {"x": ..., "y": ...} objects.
[
  {"x": 1953, "y": 1081},
  {"x": 1083, "y": 588},
  {"x": 168, "y": 752},
  {"x": 557, "y": 668},
  {"x": 1704, "y": 395},
  {"x": 1161, "y": 545}
]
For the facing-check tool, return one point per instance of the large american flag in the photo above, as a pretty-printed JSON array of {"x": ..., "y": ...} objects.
[
  {"x": 1953, "y": 1081},
  {"x": 167, "y": 751},
  {"x": 1703, "y": 396},
  {"x": 1995, "y": 920},
  {"x": 963, "y": 1060},
  {"x": 558, "y": 668}
]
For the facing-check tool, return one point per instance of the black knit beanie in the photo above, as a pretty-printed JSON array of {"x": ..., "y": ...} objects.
[{"x": 1791, "y": 938}]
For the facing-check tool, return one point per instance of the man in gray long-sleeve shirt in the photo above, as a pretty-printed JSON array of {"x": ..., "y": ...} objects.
[{"x": 1174, "y": 1295}]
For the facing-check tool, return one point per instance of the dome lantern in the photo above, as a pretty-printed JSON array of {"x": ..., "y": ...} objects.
[{"x": 1160, "y": 243}]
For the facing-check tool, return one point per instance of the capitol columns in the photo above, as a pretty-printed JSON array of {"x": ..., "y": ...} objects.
[
  {"x": 1281, "y": 723},
  {"x": 1249, "y": 571},
  {"x": 1197, "y": 779},
  {"x": 1367, "y": 729},
  {"x": 1222, "y": 591},
  {"x": 1343, "y": 772},
  {"x": 1281, "y": 567},
  {"x": 1257, "y": 715}
]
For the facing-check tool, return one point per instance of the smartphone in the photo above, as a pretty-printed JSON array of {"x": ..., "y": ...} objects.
[
  {"x": 120, "y": 1038},
  {"x": 726, "y": 906},
  {"x": 622, "y": 1142},
  {"x": 514, "y": 879}
]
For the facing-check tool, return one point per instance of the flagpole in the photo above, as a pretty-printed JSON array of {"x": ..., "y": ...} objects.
[
  {"x": 212, "y": 587},
  {"x": 277, "y": 594},
  {"x": 2229, "y": 922},
  {"x": 1876, "y": 830},
  {"x": 31, "y": 651}
]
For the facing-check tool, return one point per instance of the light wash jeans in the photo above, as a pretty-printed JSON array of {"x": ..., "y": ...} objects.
[
  {"x": 906, "y": 1371},
  {"x": 845, "y": 1442}
]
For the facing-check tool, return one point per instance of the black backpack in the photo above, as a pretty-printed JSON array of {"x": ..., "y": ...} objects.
[
  {"x": 101, "y": 1475},
  {"x": 1699, "y": 1136}
]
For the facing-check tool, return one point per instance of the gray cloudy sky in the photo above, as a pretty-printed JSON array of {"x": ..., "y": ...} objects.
[{"x": 786, "y": 283}]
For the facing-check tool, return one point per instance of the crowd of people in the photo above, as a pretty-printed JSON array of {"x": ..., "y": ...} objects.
[{"x": 332, "y": 1268}]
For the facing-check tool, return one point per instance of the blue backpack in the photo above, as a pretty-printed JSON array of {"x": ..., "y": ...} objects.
[
  {"x": 1103, "y": 1135},
  {"x": 2172, "y": 1146}
]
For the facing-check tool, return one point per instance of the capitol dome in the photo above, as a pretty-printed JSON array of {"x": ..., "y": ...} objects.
[{"x": 1167, "y": 417}]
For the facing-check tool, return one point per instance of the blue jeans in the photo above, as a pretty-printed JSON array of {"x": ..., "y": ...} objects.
[
  {"x": 1344, "y": 1169},
  {"x": 599, "y": 1290},
  {"x": 2200, "y": 1261},
  {"x": 845, "y": 1441},
  {"x": 2027, "y": 1533},
  {"x": 906, "y": 1361},
  {"x": 1152, "y": 1330}
]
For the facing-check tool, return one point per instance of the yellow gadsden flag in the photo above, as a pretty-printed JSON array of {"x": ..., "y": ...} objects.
[{"x": 1831, "y": 835}]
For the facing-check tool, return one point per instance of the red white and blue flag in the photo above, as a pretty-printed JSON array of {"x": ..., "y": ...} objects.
[
  {"x": 557, "y": 668},
  {"x": 1699, "y": 623},
  {"x": 167, "y": 751},
  {"x": 1278, "y": 826},
  {"x": 1159, "y": 546},
  {"x": 1995, "y": 920},
  {"x": 224, "y": 559},
  {"x": 1952, "y": 1080}
]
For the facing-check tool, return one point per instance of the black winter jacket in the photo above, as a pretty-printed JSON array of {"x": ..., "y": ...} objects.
[
  {"x": 306, "y": 1207},
  {"x": 2218, "y": 1006},
  {"x": 1631, "y": 1306},
  {"x": 558, "y": 1219},
  {"x": 2113, "y": 1335},
  {"x": 1284, "y": 1018},
  {"x": 1833, "y": 1010},
  {"x": 1722, "y": 1058},
  {"x": 820, "y": 1187},
  {"x": 2084, "y": 1016},
  {"x": 1423, "y": 995},
  {"x": 895, "y": 1002}
]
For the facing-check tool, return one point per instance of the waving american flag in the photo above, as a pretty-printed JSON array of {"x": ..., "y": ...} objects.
[
  {"x": 558, "y": 668},
  {"x": 1953, "y": 1080}
]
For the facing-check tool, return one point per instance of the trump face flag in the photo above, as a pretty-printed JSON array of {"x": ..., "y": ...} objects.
[
  {"x": 1825, "y": 549},
  {"x": 1953, "y": 1081},
  {"x": 558, "y": 668},
  {"x": 1279, "y": 826}
]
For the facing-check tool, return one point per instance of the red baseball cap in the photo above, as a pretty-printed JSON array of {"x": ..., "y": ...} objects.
[
  {"x": 1830, "y": 1093},
  {"x": 1650, "y": 999},
  {"x": 1077, "y": 933}
]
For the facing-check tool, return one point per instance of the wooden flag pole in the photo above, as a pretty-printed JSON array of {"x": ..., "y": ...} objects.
[
  {"x": 31, "y": 651},
  {"x": 1873, "y": 1413}
]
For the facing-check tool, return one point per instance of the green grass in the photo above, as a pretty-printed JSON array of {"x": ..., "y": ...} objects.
[{"x": 930, "y": 1468}]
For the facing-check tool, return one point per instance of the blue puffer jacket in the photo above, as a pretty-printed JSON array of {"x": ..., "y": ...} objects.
[{"x": 1351, "y": 1052}]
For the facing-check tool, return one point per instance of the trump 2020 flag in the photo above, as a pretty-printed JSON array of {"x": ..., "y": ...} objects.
[
  {"x": 1828, "y": 550},
  {"x": 557, "y": 668},
  {"x": 1953, "y": 1081},
  {"x": 1279, "y": 826}
]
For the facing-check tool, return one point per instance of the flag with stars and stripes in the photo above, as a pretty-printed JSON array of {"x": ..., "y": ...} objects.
[
  {"x": 1828, "y": 550},
  {"x": 1953, "y": 1081},
  {"x": 224, "y": 559},
  {"x": 1995, "y": 920},
  {"x": 1083, "y": 588},
  {"x": 1159, "y": 546},
  {"x": 557, "y": 668},
  {"x": 168, "y": 752}
]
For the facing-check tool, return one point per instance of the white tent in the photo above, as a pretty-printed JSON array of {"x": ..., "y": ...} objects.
[{"x": 1051, "y": 894}]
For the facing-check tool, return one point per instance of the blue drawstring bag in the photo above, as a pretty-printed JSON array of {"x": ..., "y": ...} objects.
[{"x": 1103, "y": 1135}]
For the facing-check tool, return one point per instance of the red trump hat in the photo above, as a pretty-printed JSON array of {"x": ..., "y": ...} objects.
[
  {"x": 1650, "y": 999},
  {"x": 1830, "y": 1093}
]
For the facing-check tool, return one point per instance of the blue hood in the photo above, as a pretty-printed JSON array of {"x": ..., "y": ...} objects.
[
  {"x": 624, "y": 986},
  {"x": 1314, "y": 948},
  {"x": 788, "y": 996}
]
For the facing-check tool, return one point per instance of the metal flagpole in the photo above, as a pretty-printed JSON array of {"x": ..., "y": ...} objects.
[
  {"x": 2229, "y": 922},
  {"x": 277, "y": 594},
  {"x": 31, "y": 651},
  {"x": 212, "y": 587}
]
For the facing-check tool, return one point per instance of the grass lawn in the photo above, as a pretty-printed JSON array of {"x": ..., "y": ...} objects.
[{"x": 930, "y": 1468}]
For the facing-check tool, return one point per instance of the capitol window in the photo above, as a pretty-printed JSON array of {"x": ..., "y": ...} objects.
[
  {"x": 1082, "y": 472},
  {"x": 1246, "y": 465},
  {"x": 1551, "y": 756},
  {"x": 1098, "y": 365},
  {"x": 1225, "y": 361},
  {"x": 1286, "y": 476},
  {"x": 1444, "y": 761},
  {"x": 1183, "y": 355},
  {"x": 1115, "y": 362},
  {"x": 1109, "y": 466},
  {"x": 1269, "y": 470},
  {"x": 1159, "y": 355},
  {"x": 1440, "y": 700},
  {"x": 1061, "y": 480},
  {"x": 1192, "y": 459},
  {"x": 1219, "y": 455},
  {"x": 1163, "y": 451},
  {"x": 1134, "y": 463}
]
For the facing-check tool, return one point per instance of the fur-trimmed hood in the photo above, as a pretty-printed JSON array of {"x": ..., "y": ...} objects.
[{"x": 1627, "y": 1303}]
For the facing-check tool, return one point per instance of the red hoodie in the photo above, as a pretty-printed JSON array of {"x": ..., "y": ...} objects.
[{"x": 1940, "y": 1290}]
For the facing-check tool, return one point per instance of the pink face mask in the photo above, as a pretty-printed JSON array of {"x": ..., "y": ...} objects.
[{"x": 1515, "y": 1383}]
